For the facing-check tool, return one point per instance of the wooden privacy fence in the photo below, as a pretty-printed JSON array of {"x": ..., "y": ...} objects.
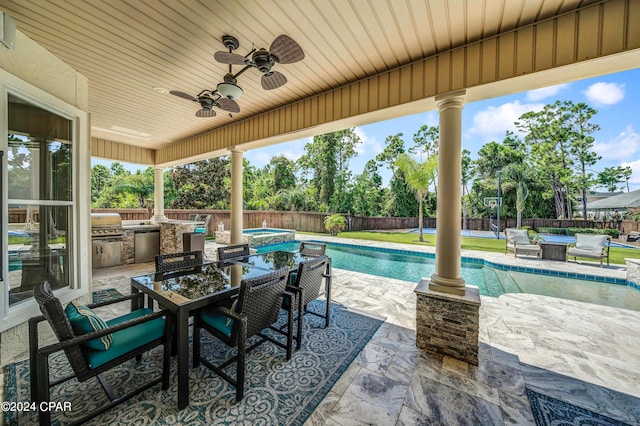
[{"x": 314, "y": 221}]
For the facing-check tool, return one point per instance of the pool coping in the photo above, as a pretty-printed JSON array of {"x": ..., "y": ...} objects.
[{"x": 485, "y": 262}]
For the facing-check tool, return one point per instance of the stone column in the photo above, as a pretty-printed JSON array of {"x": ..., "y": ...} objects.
[
  {"x": 236, "y": 196},
  {"x": 447, "y": 277},
  {"x": 158, "y": 194}
]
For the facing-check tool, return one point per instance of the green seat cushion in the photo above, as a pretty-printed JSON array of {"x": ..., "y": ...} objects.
[
  {"x": 128, "y": 339},
  {"x": 83, "y": 320},
  {"x": 218, "y": 320},
  {"x": 200, "y": 231},
  {"x": 293, "y": 278}
]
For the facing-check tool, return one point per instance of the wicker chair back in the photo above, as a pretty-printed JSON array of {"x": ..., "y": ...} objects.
[
  {"x": 260, "y": 299},
  {"x": 312, "y": 249},
  {"x": 233, "y": 251},
  {"x": 310, "y": 276},
  {"x": 177, "y": 261},
  {"x": 53, "y": 312}
]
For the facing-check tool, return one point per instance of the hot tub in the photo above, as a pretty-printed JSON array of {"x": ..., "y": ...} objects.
[{"x": 256, "y": 237}]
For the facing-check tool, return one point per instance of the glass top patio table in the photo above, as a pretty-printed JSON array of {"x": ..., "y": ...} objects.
[{"x": 184, "y": 292}]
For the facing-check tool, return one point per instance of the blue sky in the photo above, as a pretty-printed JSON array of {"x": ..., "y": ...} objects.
[{"x": 615, "y": 96}]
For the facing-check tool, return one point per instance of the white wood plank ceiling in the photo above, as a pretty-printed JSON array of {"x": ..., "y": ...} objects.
[{"x": 128, "y": 47}]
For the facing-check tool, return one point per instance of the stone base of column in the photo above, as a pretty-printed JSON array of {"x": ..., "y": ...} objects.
[{"x": 448, "y": 324}]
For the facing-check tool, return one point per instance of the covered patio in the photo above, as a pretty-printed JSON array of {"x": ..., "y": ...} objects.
[{"x": 109, "y": 67}]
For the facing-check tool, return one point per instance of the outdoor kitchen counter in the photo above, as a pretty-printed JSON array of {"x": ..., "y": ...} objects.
[
  {"x": 171, "y": 234},
  {"x": 128, "y": 241}
]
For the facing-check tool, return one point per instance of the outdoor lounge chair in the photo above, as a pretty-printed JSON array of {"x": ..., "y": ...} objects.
[
  {"x": 256, "y": 308},
  {"x": 633, "y": 236},
  {"x": 590, "y": 246},
  {"x": 517, "y": 241},
  {"x": 128, "y": 337}
]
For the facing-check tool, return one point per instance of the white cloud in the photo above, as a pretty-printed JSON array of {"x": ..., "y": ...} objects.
[
  {"x": 605, "y": 93},
  {"x": 369, "y": 145},
  {"x": 621, "y": 147},
  {"x": 545, "y": 92},
  {"x": 492, "y": 123},
  {"x": 432, "y": 119},
  {"x": 634, "y": 181}
]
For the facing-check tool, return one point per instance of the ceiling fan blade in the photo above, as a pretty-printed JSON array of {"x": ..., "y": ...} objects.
[
  {"x": 273, "y": 80},
  {"x": 228, "y": 104},
  {"x": 183, "y": 95},
  {"x": 205, "y": 113},
  {"x": 286, "y": 50},
  {"x": 228, "y": 58}
]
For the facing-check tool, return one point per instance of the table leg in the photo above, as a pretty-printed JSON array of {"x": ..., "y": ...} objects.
[{"x": 182, "y": 331}]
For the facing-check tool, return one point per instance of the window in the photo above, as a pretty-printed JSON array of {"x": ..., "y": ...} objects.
[{"x": 40, "y": 199}]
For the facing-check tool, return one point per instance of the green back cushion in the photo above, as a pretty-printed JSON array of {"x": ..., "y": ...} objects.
[{"x": 84, "y": 320}]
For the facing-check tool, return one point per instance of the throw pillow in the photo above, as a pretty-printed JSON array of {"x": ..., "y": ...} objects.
[{"x": 83, "y": 320}]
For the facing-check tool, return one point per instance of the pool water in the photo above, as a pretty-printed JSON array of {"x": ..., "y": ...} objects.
[
  {"x": 491, "y": 281},
  {"x": 263, "y": 231}
]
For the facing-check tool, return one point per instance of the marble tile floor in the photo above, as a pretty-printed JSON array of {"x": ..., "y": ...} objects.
[{"x": 585, "y": 354}]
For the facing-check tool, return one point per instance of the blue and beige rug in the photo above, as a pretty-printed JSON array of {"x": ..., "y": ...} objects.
[
  {"x": 548, "y": 411},
  {"x": 277, "y": 392}
]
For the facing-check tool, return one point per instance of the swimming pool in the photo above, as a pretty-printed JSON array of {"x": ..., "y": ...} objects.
[{"x": 492, "y": 280}]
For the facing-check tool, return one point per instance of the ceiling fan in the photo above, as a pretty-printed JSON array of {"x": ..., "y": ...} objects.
[
  {"x": 283, "y": 50},
  {"x": 209, "y": 99}
]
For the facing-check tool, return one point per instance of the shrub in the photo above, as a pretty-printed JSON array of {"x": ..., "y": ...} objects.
[{"x": 335, "y": 223}]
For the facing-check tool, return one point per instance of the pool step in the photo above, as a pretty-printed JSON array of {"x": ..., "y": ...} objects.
[
  {"x": 492, "y": 284},
  {"x": 508, "y": 283}
]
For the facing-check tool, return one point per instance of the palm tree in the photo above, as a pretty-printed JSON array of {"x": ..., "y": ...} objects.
[
  {"x": 518, "y": 174},
  {"x": 418, "y": 176}
]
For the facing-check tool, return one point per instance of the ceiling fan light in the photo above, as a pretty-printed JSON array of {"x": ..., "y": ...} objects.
[{"x": 229, "y": 90}]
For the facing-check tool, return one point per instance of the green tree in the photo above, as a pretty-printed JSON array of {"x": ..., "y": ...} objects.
[
  {"x": 367, "y": 191},
  {"x": 626, "y": 173},
  {"x": 326, "y": 159},
  {"x": 518, "y": 175},
  {"x": 467, "y": 175},
  {"x": 139, "y": 184},
  {"x": 203, "y": 185},
  {"x": 581, "y": 145},
  {"x": 100, "y": 179},
  {"x": 283, "y": 173},
  {"x": 399, "y": 199},
  {"x": 418, "y": 177}
]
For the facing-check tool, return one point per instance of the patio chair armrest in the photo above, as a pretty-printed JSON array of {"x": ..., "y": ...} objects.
[
  {"x": 228, "y": 312},
  {"x": 95, "y": 334},
  {"x": 293, "y": 290}
]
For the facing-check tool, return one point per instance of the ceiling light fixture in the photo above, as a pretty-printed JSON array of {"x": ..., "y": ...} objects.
[
  {"x": 161, "y": 90},
  {"x": 229, "y": 89}
]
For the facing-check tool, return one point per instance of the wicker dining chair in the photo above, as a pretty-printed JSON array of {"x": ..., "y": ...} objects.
[
  {"x": 130, "y": 336},
  {"x": 233, "y": 251},
  {"x": 179, "y": 261},
  {"x": 308, "y": 248},
  {"x": 305, "y": 285},
  {"x": 256, "y": 308}
]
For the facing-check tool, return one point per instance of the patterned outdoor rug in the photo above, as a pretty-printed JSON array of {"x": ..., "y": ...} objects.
[
  {"x": 104, "y": 295},
  {"x": 277, "y": 392},
  {"x": 550, "y": 411}
]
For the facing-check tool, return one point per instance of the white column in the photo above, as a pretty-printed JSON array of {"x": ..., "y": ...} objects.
[
  {"x": 236, "y": 196},
  {"x": 448, "y": 259},
  {"x": 158, "y": 195}
]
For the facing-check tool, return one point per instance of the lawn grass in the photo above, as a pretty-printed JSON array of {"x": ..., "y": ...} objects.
[{"x": 616, "y": 254}]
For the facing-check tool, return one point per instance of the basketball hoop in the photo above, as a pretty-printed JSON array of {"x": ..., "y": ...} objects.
[{"x": 492, "y": 203}]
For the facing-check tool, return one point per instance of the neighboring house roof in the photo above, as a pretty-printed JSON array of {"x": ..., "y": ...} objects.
[
  {"x": 594, "y": 196},
  {"x": 622, "y": 201}
]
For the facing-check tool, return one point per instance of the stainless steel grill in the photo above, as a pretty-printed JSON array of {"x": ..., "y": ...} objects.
[{"x": 105, "y": 225}]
